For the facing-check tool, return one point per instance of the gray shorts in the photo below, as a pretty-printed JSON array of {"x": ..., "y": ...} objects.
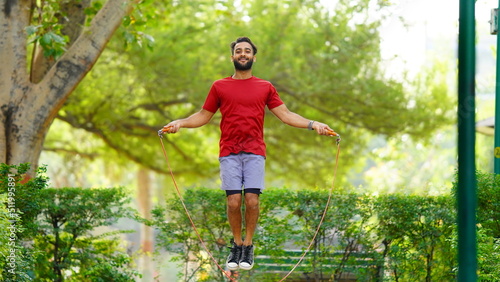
[{"x": 243, "y": 170}]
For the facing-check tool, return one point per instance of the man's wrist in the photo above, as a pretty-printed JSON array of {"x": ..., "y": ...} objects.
[{"x": 310, "y": 126}]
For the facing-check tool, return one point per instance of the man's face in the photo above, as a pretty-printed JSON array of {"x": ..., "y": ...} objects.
[{"x": 243, "y": 57}]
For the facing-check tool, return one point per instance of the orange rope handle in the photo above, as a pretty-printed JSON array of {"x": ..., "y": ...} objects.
[
  {"x": 332, "y": 133},
  {"x": 163, "y": 130}
]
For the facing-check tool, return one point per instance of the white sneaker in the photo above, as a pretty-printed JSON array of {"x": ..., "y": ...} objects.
[
  {"x": 233, "y": 258},
  {"x": 246, "y": 261}
]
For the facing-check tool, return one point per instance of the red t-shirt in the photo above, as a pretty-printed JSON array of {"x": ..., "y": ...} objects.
[{"x": 242, "y": 104}]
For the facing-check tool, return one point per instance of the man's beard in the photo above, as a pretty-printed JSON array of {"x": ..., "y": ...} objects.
[{"x": 241, "y": 67}]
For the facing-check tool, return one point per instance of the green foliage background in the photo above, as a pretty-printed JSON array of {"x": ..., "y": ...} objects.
[{"x": 324, "y": 61}]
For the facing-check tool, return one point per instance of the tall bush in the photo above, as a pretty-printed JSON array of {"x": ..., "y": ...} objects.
[
  {"x": 20, "y": 198},
  {"x": 52, "y": 235},
  {"x": 488, "y": 208},
  {"x": 68, "y": 250},
  {"x": 488, "y": 222},
  {"x": 415, "y": 233},
  {"x": 176, "y": 234}
]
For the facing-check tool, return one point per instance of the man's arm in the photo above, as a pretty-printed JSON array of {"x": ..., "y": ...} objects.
[
  {"x": 195, "y": 120},
  {"x": 293, "y": 119}
]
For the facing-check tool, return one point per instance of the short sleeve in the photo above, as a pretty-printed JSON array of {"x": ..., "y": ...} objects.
[
  {"x": 212, "y": 102},
  {"x": 274, "y": 99}
]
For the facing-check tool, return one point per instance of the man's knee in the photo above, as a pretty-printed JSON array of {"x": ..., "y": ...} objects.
[
  {"x": 234, "y": 202},
  {"x": 251, "y": 201}
]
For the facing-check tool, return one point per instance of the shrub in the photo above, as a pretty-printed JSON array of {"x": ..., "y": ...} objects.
[{"x": 53, "y": 236}]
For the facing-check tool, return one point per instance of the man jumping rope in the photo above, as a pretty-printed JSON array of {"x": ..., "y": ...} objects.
[{"x": 242, "y": 99}]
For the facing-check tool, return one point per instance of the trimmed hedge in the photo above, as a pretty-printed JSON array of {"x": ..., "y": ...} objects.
[{"x": 373, "y": 238}]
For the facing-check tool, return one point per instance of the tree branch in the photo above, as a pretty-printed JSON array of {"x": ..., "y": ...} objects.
[
  {"x": 88, "y": 126},
  {"x": 90, "y": 156},
  {"x": 72, "y": 67}
]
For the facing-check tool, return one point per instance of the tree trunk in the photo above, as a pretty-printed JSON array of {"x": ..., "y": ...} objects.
[
  {"x": 144, "y": 204},
  {"x": 27, "y": 108}
]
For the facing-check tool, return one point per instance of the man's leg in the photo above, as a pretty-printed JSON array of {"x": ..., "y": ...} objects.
[
  {"x": 251, "y": 216},
  {"x": 234, "y": 216}
]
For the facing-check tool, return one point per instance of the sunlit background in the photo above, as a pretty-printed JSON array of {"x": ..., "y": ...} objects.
[{"x": 415, "y": 35}]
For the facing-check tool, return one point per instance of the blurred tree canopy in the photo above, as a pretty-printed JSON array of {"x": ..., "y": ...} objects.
[{"x": 324, "y": 61}]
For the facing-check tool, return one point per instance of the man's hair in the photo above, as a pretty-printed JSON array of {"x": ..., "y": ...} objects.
[{"x": 243, "y": 39}]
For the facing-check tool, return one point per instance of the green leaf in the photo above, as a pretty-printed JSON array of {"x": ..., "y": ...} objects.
[{"x": 32, "y": 29}]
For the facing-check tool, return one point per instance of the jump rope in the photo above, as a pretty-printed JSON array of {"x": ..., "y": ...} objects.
[{"x": 188, "y": 214}]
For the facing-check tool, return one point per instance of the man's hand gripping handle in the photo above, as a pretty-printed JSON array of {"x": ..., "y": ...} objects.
[{"x": 163, "y": 130}]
